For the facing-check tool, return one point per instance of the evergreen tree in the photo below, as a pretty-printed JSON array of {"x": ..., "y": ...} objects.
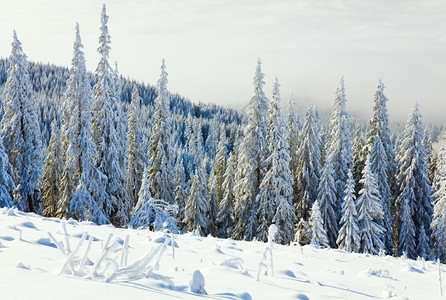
[
  {"x": 383, "y": 160},
  {"x": 276, "y": 187},
  {"x": 134, "y": 151},
  {"x": 308, "y": 164},
  {"x": 326, "y": 198},
  {"x": 152, "y": 213},
  {"x": 293, "y": 143},
  {"x": 348, "y": 237},
  {"x": 358, "y": 158},
  {"x": 52, "y": 173},
  {"x": 196, "y": 205},
  {"x": 213, "y": 204},
  {"x": 21, "y": 132},
  {"x": 105, "y": 135},
  {"x": 430, "y": 157},
  {"x": 82, "y": 188},
  {"x": 220, "y": 166},
  {"x": 378, "y": 166},
  {"x": 180, "y": 182},
  {"x": 370, "y": 213},
  {"x": 225, "y": 217},
  {"x": 251, "y": 161},
  {"x": 415, "y": 190},
  {"x": 318, "y": 232},
  {"x": 160, "y": 172},
  {"x": 339, "y": 146},
  {"x": 7, "y": 185},
  {"x": 438, "y": 225}
]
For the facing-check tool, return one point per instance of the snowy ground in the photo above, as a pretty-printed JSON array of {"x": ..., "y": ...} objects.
[{"x": 33, "y": 267}]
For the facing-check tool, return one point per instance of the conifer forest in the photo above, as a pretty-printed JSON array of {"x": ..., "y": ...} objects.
[{"x": 95, "y": 146}]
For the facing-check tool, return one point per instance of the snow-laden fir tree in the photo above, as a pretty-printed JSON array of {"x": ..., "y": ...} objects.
[
  {"x": 52, "y": 172},
  {"x": 21, "y": 132},
  {"x": 154, "y": 214},
  {"x": 82, "y": 188},
  {"x": 225, "y": 216},
  {"x": 251, "y": 161},
  {"x": 383, "y": 159},
  {"x": 7, "y": 185},
  {"x": 358, "y": 158},
  {"x": 196, "y": 204},
  {"x": 120, "y": 121},
  {"x": 378, "y": 166},
  {"x": 293, "y": 142},
  {"x": 105, "y": 134},
  {"x": 308, "y": 164},
  {"x": 318, "y": 232},
  {"x": 326, "y": 198},
  {"x": 339, "y": 145},
  {"x": 134, "y": 152},
  {"x": 438, "y": 225},
  {"x": 430, "y": 155},
  {"x": 213, "y": 204},
  {"x": 220, "y": 165},
  {"x": 348, "y": 237},
  {"x": 160, "y": 172},
  {"x": 276, "y": 189},
  {"x": 380, "y": 126},
  {"x": 180, "y": 183},
  {"x": 370, "y": 213},
  {"x": 415, "y": 189}
]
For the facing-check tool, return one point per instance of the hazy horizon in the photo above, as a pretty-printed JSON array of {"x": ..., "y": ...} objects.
[{"x": 211, "y": 47}]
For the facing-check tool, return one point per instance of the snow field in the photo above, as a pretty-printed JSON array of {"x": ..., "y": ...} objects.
[{"x": 37, "y": 263}]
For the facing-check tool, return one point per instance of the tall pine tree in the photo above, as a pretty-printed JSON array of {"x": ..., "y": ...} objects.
[
  {"x": 21, "y": 132},
  {"x": 251, "y": 161},
  {"x": 105, "y": 134},
  {"x": 414, "y": 201}
]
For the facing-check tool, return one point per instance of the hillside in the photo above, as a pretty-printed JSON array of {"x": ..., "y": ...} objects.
[{"x": 32, "y": 266}]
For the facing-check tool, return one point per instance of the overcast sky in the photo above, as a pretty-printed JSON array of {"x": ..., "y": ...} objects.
[{"x": 211, "y": 47}]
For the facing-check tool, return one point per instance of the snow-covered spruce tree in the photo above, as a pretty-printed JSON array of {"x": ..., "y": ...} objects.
[
  {"x": 378, "y": 165},
  {"x": 82, "y": 188},
  {"x": 293, "y": 142},
  {"x": 180, "y": 183},
  {"x": 105, "y": 134},
  {"x": 380, "y": 126},
  {"x": 382, "y": 160},
  {"x": 213, "y": 205},
  {"x": 431, "y": 158},
  {"x": 7, "y": 185},
  {"x": 152, "y": 213},
  {"x": 318, "y": 232},
  {"x": 251, "y": 161},
  {"x": 52, "y": 173},
  {"x": 276, "y": 189},
  {"x": 415, "y": 189},
  {"x": 160, "y": 172},
  {"x": 120, "y": 121},
  {"x": 348, "y": 237},
  {"x": 370, "y": 213},
  {"x": 197, "y": 205},
  {"x": 308, "y": 163},
  {"x": 220, "y": 165},
  {"x": 21, "y": 132},
  {"x": 358, "y": 158},
  {"x": 339, "y": 145},
  {"x": 135, "y": 167},
  {"x": 326, "y": 198},
  {"x": 225, "y": 216},
  {"x": 438, "y": 225}
]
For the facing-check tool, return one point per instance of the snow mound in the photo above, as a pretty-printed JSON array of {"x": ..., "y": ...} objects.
[{"x": 196, "y": 284}]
